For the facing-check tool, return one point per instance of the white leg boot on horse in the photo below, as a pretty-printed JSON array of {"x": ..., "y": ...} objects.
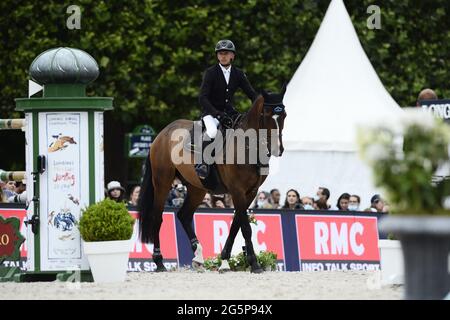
[
  {"x": 198, "y": 261},
  {"x": 226, "y": 252},
  {"x": 224, "y": 266}
]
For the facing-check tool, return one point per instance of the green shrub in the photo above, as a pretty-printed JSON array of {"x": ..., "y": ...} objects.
[
  {"x": 239, "y": 262},
  {"x": 213, "y": 263},
  {"x": 106, "y": 220},
  {"x": 267, "y": 259}
]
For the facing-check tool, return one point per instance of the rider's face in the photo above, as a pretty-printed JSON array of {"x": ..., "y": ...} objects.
[{"x": 225, "y": 57}]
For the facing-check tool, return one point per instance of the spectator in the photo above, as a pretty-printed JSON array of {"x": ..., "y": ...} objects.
[
  {"x": 219, "y": 204},
  {"x": 218, "y": 201},
  {"x": 342, "y": 203},
  {"x": 262, "y": 201},
  {"x": 292, "y": 200},
  {"x": 320, "y": 204},
  {"x": 274, "y": 199},
  {"x": 20, "y": 187},
  {"x": 179, "y": 194},
  {"x": 10, "y": 185},
  {"x": 134, "y": 196},
  {"x": 228, "y": 201},
  {"x": 115, "y": 191},
  {"x": 9, "y": 188},
  {"x": 206, "y": 203},
  {"x": 308, "y": 203},
  {"x": 18, "y": 198},
  {"x": 324, "y": 194},
  {"x": 426, "y": 94},
  {"x": 3, "y": 198},
  {"x": 376, "y": 204},
  {"x": 176, "y": 194},
  {"x": 354, "y": 202}
]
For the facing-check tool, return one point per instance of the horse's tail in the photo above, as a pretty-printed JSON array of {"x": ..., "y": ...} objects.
[{"x": 145, "y": 205}]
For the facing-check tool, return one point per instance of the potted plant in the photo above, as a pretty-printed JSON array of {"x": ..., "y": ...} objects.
[
  {"x": 405, "y": 157},
  {"x": 391, "y": 262},
  {"x": 106, "y": 228}
]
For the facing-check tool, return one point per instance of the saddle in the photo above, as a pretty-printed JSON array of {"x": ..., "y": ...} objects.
[{"x": 213, "y": 182}]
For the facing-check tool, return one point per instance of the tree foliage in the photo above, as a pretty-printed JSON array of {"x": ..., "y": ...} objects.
[{"x": 152, "y": 53}]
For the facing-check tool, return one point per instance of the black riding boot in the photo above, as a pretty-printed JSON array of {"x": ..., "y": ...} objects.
[{"x": 202, "y": 169}]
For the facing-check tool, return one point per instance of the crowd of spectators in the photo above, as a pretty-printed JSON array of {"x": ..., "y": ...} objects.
[
  {"x": 15, "y": 192},
  {"x": 263, "y": 200},
  {"x": 292, "y": 200}
]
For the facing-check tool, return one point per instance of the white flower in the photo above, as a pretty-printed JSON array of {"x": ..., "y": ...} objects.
[
  {"x": 376, "y": 152},
  {"x": 417, "y": 117}
]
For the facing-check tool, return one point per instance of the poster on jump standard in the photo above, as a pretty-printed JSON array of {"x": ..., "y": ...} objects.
[
  {"x": 64, "y": 188},
  {"x": 99, "y": 157}
]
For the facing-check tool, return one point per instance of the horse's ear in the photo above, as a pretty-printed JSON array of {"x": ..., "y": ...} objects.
[
  {"x": 258, "y": 104},
  {"x": 283, "y": 88},
  {"x": 259, "y": 101},
  {"x": 264, "y": 93}
]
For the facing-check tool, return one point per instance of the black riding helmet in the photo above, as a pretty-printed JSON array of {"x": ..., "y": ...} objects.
[{"x": 225, "y": 45}]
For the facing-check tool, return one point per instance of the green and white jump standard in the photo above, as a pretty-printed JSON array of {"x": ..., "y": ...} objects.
[{"x": 64, "y": 160}]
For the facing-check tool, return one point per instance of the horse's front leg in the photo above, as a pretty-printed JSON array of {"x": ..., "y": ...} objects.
[
  {"x": 240, "y": 218},
  {"x": 226, "y": 252}
]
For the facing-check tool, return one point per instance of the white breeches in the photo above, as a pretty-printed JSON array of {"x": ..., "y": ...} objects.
[{"x": 211, "y": 124}]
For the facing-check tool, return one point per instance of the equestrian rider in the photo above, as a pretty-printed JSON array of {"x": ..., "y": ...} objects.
[{"x": 219, "y": 84}]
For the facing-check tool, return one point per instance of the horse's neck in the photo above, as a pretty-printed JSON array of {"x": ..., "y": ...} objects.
[{"x": 250, "y": 122}]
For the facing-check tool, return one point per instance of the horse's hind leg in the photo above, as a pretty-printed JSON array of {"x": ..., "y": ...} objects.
[
  {"x": 250, "y": 252},
  {"x": 185, "y": 215},
  {"x": 162, "y": 183}
]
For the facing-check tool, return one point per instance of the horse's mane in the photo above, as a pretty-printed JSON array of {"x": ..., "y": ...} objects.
[{"x": 251, "y": 117}]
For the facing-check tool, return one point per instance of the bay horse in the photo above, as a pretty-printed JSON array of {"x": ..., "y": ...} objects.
[{"x": 240, "y": 180}]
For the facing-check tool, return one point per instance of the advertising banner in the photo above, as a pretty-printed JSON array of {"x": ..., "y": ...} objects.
[
  {"x": 439, "y": 108},
  {"x": 212, "y": 230},
  {"x": 322, "y": 242},
  {"x": 21, "y": 215},
  {"x": 333, "y": 242},
  {"x": 141, "y": 254}
]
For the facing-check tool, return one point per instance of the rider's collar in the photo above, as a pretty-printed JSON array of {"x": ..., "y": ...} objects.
[{"x": 225, "y": 69}]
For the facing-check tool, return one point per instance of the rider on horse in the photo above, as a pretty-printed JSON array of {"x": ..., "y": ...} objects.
[{"x": 220, "y": 82}]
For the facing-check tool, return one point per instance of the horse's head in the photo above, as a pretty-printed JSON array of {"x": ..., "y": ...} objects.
[{"x": 272, "y": 116}]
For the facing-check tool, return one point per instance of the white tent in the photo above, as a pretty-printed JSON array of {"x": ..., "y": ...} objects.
[{"x": 334, "y": 90}]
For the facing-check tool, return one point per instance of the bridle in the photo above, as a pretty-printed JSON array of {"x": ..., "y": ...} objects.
[
  {"x": 268, "y": 108},
  {"x": 276, "y": 109}
]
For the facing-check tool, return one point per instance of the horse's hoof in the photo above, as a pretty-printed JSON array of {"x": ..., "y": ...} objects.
[
  {"x": 257, "y": 270},
  {"x": 224, "y": 270},
  {"x": 224, "y": 267},
  {"x": 198, "y": 266},
  {"x": 161, "y": 268}
]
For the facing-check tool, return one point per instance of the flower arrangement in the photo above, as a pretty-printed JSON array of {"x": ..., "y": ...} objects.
[
  {"x": 252, "y": 219},
  {"x": 266, "y": 259},
  {"x": 405, "y": 157}
]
